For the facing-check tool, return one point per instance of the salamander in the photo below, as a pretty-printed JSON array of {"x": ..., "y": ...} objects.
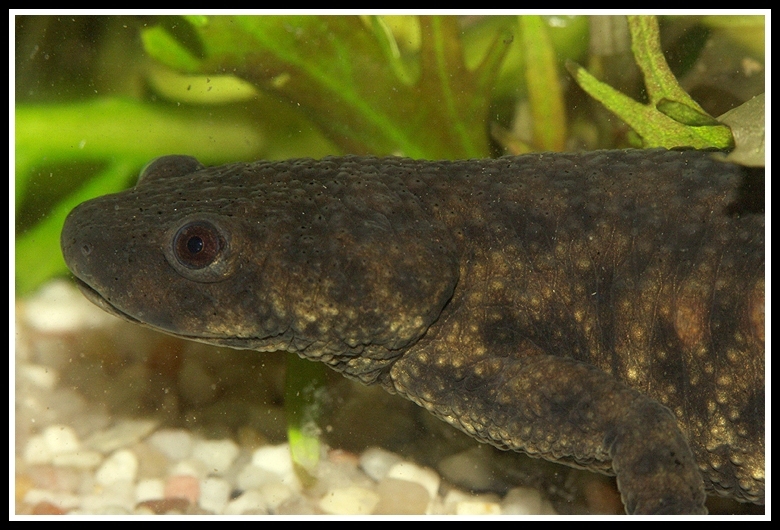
[{"x": 604, "y": 310}]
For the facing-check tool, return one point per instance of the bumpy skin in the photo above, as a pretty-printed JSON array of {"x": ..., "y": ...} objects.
[{"x": 604, "y": 310}]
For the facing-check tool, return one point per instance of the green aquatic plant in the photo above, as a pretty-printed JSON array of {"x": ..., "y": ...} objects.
[{"x": 671, "y": 118}]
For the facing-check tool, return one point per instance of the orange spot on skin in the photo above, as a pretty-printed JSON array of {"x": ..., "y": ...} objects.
[
  {"x": 756, "y": 310},
  {"x": 689, "y": 321}
]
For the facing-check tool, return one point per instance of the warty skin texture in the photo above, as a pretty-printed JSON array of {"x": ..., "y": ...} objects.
[{"x": 603, "y": 310}]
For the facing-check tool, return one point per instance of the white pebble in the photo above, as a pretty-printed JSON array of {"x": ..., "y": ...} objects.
[
  {"x": 120, "y": 466},
  {"x": 61, "y": 439},
  {"x": 276, "y": 459},
  {"x": 253, "y": 477},
  {"x": 191, "y": 468},
  {"x": 471, "y": 468},
  {"x": 453, "y": 498},
  {"x": 427, "y": 478},
  {"x": 176, "y": 444},
  {"x": 149, "y": 490},
  {"x": 59, "y": 306},
  {"x": 214, "y": 494},
  {"x": 218, "y": 455},
  {"x": 525, "y": 501},
  {"x": 43, "y": 377},
  {"x": 377, "y": 462},
  {"x": 275, "y": 494},
  {"x": 117, "y": 497},
  {"x": 352, "y": 500},
  {"x": 401, "y": 497},
  {"x": 36, "y": 451}
]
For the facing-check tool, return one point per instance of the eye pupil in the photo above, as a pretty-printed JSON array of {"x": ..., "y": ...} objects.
[
  {"x": 198, "y": 244},
  {"x": 195, "y": 245}
]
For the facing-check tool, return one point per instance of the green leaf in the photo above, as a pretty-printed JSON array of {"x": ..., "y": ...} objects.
[
  {"x": 200, "y": 89},
  {"x": 100, "y": 129},
  {"x": 304, "y": 397},
  {"x": 162, "y": 45},
  {"x": 671, "y": 118},
  {"x": 544, "y": 89},
  {"x": 659, "y": 79}
]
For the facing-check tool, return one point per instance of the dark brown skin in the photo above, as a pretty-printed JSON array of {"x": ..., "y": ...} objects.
[{"x": 603, "y": 310}]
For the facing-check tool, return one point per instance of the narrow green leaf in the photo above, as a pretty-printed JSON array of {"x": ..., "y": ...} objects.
[
  {"x": 304, "y": 397},
  {"x": 101, "y": 129},
  {"x": 444, "y": 73},
  {"x": 488, "y": 70},
  {"x": 200, "y": 89},
  {"x": 163, "y": 47},
  {"x": 384, "y": 36},
  {"x": 659, "y": 79},
  {"x": 544, "y": 90}
]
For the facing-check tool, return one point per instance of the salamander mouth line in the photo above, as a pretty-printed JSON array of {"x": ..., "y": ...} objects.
[
  {"x": 96, "y": 298},
  {"x": 99, "y": 300}
]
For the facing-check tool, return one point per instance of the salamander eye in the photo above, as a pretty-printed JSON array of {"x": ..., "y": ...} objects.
[
  {"x": 202, "y": 251},
  {"x": 196, "y": 245}
]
